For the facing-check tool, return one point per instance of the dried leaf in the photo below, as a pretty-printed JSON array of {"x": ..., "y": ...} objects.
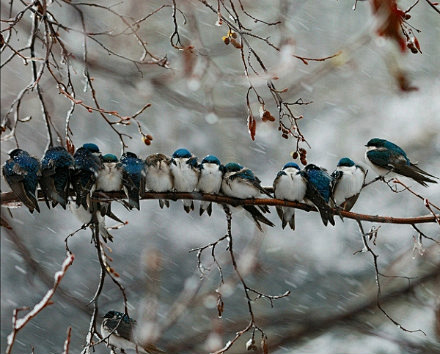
[
  {"x": 220, "y": 305},
  {"x": 390, "y": 18},
  {"x": 252, "y": 126},
  {"x": 264, "y": 345}
]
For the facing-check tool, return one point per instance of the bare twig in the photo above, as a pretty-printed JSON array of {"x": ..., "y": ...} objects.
[{"x": 18, "y": 324}]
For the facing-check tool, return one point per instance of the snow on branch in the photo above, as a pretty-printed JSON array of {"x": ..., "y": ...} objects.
[{"x": 19, "y": 323}]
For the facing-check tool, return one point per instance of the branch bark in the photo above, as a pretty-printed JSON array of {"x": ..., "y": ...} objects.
[{"x": 9, "y": 198}]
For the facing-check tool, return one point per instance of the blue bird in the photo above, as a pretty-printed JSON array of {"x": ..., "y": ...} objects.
[
  {"x": 133, "y": 178},
  {"x": 290, "y": 185},
  {"x": 185, "y": 171},
  {"x": 56, "y": 168},
  {"x": 159, "y": 178},
  {"x": 22, "y": 172},
  {"x": 318, "y": 193},
  {"x": 386, "y": 157},
  {"x": 240, "y": 182},
  {"x": 87, "y": 165},
  {"x": 348, "y": 180},
  {"x": 210, "y": 180},
  {"x": 118, "y": 330}
]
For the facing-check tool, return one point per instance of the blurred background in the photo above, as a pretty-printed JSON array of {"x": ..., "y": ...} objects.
[{"x": 199, "y": 102}]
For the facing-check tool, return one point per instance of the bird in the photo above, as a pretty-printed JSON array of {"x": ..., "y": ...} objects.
[
  {"x": 117, "y": 329},
  {"x": 158, "y": 175},
  {"x": 210, "y": 180},
  {"x": 290, "y": 185},
  {"x": 348, "y": 180},
  {"x": 109, "y": 179},
  {"x": 240, "y": 182},
  {"x": 90, "y": 215},
  {"x": 386, "y": 157},
  {"x": 22, "y": 172},
  {"x": 133, "y": 178},
  {"x": 185, "y": 172},
  {"x": 87, "y": 165},
  {"x": 56, "y": 168},
  {"x": 318, "y": 191}
]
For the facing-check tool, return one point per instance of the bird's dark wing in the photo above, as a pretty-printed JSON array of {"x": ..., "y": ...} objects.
[
  {"x": 350, "y": 202},
  {"x": 401, "y": 165},
  {"x": 257, "y": 216},
  {"x": 415, "y": 173},
  {"x": 381, "y": 158},
  {"x": 27, "y": 198},
  {"x": 123, "y": 328},
  {"x": 336, "y": 177},
  {"x": 315, "y": 197}
]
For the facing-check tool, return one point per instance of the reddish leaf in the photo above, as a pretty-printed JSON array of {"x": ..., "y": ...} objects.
[
  {"x": 390, "y": 18},
  {"x": 252, "y": 126},
  {"x": 69, "y": 146}
]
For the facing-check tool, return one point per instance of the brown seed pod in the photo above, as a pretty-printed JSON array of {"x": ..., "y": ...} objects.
[{"x": 235, "y": 43}]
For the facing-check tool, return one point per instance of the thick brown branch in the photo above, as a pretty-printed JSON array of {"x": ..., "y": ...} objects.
[{"x": 10, "y": 198}]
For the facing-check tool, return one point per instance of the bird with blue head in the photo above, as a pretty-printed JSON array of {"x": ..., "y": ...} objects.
[
  {"x": 88, "y": 163},
  {"x": 118, "y": 330},
  {"x": 57, "y": 166},
  {"x": 22, "y": 172},
  {"x": 348, "y": 180},
  {"x": 290, "y": 185},
  {"x": 240, "y": 182},
  {"x": 133, "y": 178},
  {"x": 318, "y": 192},
  {"x": 210, "y": 180},
  {"x": 388, "y": 159},
  {"x": 185, "y": 172}
]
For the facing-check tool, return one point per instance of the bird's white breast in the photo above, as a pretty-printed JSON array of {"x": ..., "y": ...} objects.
[
  {"x": 239, "y": 188},
  {"x": 159, "y": 178},
  {"x": 109, "y": 178},
  {"x": 349, "y": 184},
  {"x": 185, "y": 177},
  {"x": 210, "y": 180},
  {"x": 290, "y": 186}
]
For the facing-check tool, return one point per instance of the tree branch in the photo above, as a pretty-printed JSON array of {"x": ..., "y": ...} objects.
[{"x": 10, "y": 199}]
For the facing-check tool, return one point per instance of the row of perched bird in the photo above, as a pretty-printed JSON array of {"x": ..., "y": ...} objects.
[{"x": 88, "y": 170}]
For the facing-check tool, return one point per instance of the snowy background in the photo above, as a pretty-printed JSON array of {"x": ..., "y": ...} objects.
[{"x": 351, "y": 104}]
